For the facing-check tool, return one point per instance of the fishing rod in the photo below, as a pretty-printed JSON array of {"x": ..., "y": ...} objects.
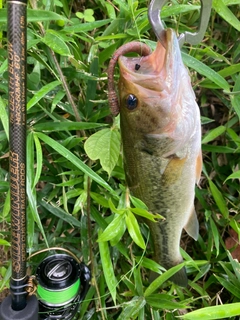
[
  {"x": 18, "y": 303},
  {"x": 61, "y": 280}
]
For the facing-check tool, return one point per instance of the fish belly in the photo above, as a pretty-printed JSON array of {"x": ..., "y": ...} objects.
[{"x": 166, "y": 186}]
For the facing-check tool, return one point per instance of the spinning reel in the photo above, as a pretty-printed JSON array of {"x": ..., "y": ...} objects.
[{"x": 62, "y": 285}]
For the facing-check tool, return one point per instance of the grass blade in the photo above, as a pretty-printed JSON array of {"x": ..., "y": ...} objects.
[
  {"x": 218, "y": 197},
  {"x": 224, "y": 311},
  {"x": 226, "y": 13},
  {"x": 74, "y": 160},
  {"x": 39, "y": 157},
  {"x": 41, "y": 93},
  {"x": 203, "y": 69},
  {"x": 66, "y": 125},
  {"x": 162, "y": 278},
  {"x": 60, "y": 213},
  {"x": 108, "y": 268},
  {"x": 4, "y": 117}
]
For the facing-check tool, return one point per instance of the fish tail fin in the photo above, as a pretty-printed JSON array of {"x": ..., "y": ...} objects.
[{"x": 180, "y": 278}]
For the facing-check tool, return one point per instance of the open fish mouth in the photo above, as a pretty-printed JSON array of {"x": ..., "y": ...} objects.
[{"x": 161, "y": 66}]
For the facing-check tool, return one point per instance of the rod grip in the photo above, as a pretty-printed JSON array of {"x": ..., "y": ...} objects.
[{"x": 30, "y": 312}]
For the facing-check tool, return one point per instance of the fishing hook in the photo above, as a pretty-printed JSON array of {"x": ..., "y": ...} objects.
[{"x": 190, "y": 37}]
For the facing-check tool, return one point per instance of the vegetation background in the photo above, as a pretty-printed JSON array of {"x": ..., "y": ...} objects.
[{"x": 76, "y": 186}]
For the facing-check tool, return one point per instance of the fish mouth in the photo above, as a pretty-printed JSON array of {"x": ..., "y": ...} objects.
[{"x": 161, "y": 66}]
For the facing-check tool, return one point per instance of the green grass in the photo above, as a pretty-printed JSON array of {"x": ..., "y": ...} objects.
[{"x": 72, "y": 199}]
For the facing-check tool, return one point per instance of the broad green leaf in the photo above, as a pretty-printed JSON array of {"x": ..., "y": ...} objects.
[
  {"x": 219, "y": 149},
  {"x": 114, "y": 209},
  {"x": 60, "y": 213},
  {"x": 87, "y": 15},
  {"x": 230, "y": 276},
  {"x": 4, "y": 117},
  {"x": 58, "y": 97},
  {"x": 108, "y": 268},
  {"x": 146, "y": 214},
  {"x": 42, "y": 93},
  {"x": 134, "y": 230},
  {"x": 234, "y": 136},
  {"x": 30, "y": 230},
  {"x": 206, "y": 71},
  {"x": 149, "y": 264},
  {"x": 226, "y": 72},
  {"x": 215, "y": 235},
  {"x": 80, "y": 15},
  {"x": 161, "y": 301},
  {"x": 138, "y": 280},
  {"x": 224, "y": 311},
  {"x": 131, "y": 309},
  {"x": 4, "y": 243},
  {"x": 39, "y": 159},
  {"x": 205, "y": 120},
  {"x": 34, "y": 211},
  {"x": 218, "y": 197},
  {"x": 70, "y": 182},
  {"x": 234, "y": 175},
  {"x": 174, "y": 10},
  {"x": 162, "y": 278},
  {"x": 235, "y": 99},
  {"x": 231, "y": 2},
  {"x": 75, "y": 160},
  {"x": 113, "y": 229},
  {"x": 110, "y": 10},
  {"x": 137, "y": 202},
  {"x": 235, "y": 265},
  {"x": 6, "y": 277},
  {"x": 99, "y": 199},
  {"x": 213, "y": 134},
  {"x": 30, "y": 159},
  {"x": 35, "y": 15},
  {"x": 105, "y": 146},
  {"x": 66, "y": 125},
  {"x": 4, "y": 186},
  {"x": 80, "y": 202},
  {"x": 112, "y": 36},
  {"x": 121, "y": 230},
  {"x": 226, "y": 13},
  {"x": 85, "y": 27},
  {"x": 4, "y": 65},
  {"x": 6, "y": 207},
  {"x": 56, "y": 43},
  {"x": 231, "y": 287}
]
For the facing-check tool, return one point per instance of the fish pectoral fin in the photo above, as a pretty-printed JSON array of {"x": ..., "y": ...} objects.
[
  {"x": 173, "y": 171},
  {"x": 192, "y": 226},
  {"x": 198, "y": 167}
]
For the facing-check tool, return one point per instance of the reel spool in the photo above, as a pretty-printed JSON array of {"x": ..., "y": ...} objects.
[{"x": 62, "y": 284}]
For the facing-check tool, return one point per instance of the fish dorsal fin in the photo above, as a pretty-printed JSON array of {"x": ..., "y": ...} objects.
[{"x": 192, "y": 226}]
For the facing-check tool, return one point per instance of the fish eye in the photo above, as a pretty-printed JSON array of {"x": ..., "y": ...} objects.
[{"x": 131, "y": 102}]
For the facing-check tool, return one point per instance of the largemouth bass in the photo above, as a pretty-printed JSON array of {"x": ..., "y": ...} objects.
[{"x": 161, "y": 135}]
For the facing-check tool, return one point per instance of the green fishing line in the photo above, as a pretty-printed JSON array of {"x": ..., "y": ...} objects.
[{"x": 58, "y": 297}]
